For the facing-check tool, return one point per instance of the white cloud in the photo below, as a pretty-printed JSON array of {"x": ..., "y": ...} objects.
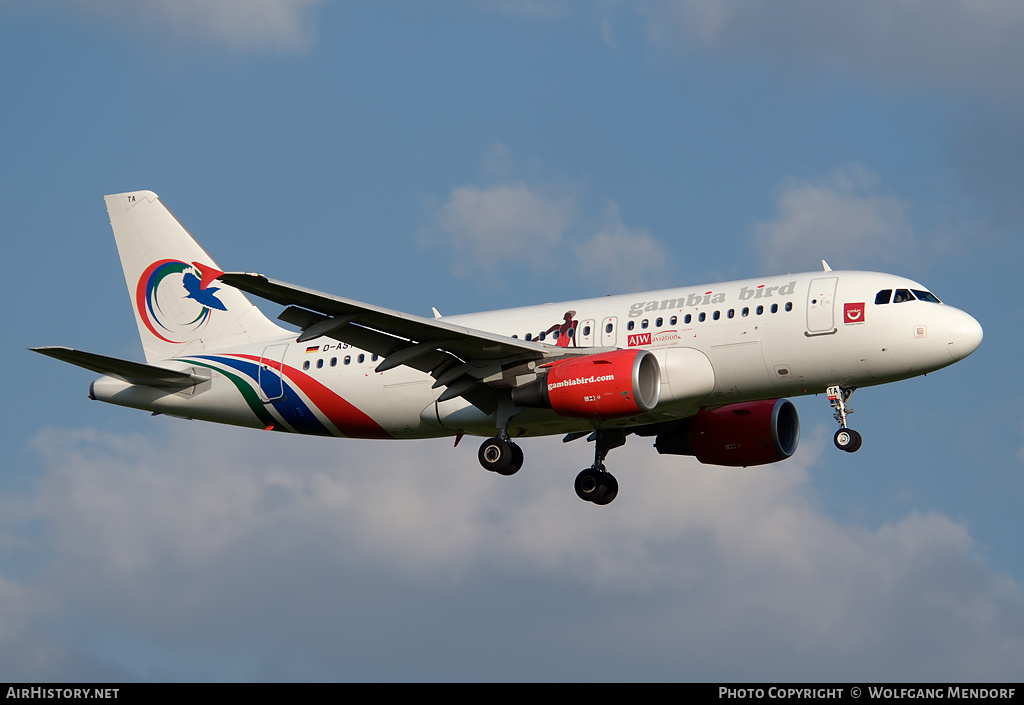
[
  {"x": 406, "y": 560},
  {"x": 841, "y": 219},
  {"x": 536, "y": 222},
  {"x": 627, "y": 260},
  {"x": 242, "y": 24},
  {"x": 960, "y": 44},
  {"x": 492, "y": 226}
]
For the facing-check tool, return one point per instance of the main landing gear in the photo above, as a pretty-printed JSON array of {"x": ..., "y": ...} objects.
[
  {"x": 501, "y": 455},
  {"x": 846, "y": 438},
  {"x": 595, "y": 484}
]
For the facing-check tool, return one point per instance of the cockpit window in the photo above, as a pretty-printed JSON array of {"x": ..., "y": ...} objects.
[
  {"x": 902, "y": 295},
  {"x": 883, "y": 296},
  {"x": 926, "y": 296}
]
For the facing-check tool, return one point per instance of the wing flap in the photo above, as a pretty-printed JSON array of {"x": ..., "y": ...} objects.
[{"x": 466, "y": 343}]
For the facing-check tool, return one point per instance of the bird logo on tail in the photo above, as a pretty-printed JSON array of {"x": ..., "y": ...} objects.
[{"x": 175, "y": 300}]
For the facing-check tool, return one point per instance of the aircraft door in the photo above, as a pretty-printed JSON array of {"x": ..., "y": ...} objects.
[
  {"x": 270, "y": 373},
  {"x": 820, "y": 298},
  {"x": 608, "y": 333},
  {"x": 585, "y": 334}
]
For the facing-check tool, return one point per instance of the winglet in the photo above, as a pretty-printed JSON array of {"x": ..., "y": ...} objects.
[
  {"x": 209, "y": 273},
  {"x": 825, "y": 267}
]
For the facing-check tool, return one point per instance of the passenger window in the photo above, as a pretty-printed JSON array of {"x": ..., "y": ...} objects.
[
  {"x": 775, "y": 308},
  {"x": 702, "y": 316},
  {"x": 608, "y": 328},
  {"x": 643, "y": 324},
  {"x": 789, "y": 305},
  {"x": 374, "y": 358},
  {"x": 529, "y": 336},
  {"x": 319, "y": 363},
  {"x": 543, "y": 335},
  {"x": 361, "y": 358},
  {"x": 732, "y": 313},
  {"x": 658, "y": 323},
  {"x": 348, "y": 359},
  {"x": 334, "y": 362},
  {"x": 902, "y": 295},
  {"x": 716, "y": 315},
  {"x": 586, "y": 330},
  {"x": 629, "y": 326},
  {"x": 672, "y": 321},
  {"x": 305, "y": 365},
  {"x": 760, "y": 310},
  {"x": 687, "y": 319},
  {"x": 882, "y": 297},
  {"x": 745, "y": 312}
]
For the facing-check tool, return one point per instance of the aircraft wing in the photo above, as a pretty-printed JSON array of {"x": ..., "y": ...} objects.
[
  {"x": 133, "y": 372},
  {"x": 465, "y": 360}
]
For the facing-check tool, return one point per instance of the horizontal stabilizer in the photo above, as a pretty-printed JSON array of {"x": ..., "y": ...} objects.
[{"x": 133, "y": 372}]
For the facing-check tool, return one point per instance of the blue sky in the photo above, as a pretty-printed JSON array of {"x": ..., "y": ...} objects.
[{"x": 478, "y": 155}]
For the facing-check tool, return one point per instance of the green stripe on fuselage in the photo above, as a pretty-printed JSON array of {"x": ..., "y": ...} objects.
[{"x": 248, "y": 393}]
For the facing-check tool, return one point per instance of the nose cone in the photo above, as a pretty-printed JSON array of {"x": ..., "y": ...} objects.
[{"x": 964, "y": 335}]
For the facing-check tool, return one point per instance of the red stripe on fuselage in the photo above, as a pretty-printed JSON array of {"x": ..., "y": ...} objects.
[{"x": 344, "y": 415}]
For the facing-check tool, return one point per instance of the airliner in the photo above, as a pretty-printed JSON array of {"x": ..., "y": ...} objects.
[{"x": 703, "y": 370}]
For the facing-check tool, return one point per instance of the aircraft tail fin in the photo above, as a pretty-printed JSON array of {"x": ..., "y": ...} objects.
[{"x": 179, "y": 307}]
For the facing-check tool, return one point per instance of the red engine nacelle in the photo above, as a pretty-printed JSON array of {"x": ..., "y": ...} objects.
[
  {"x": 753, "y": 433},
  {"x": 605, "y": 386}
]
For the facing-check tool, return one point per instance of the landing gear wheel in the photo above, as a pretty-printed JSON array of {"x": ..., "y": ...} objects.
[
  {"x": 847, "y": 439},
  {"x": 611, "y": 490},
  {"x": 593, "y": 485},
  {"x": 515, "y": 462},
  {"x": 517, "y": 458},
  {"x": 589, "y": 485},
  {"x": 497, "y": 455}
]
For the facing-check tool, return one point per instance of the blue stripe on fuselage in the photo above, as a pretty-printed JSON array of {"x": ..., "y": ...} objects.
[{"x": 290, "y": 407}]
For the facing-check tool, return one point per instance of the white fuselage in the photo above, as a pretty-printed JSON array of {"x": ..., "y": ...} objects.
[{"x": 716, "y": 344}]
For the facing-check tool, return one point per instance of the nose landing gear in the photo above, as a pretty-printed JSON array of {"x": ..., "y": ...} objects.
[{"x": 846, "y": 438}]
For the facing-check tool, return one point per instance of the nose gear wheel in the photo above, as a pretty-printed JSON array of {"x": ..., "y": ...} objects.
[{"x": 847, "y": 439}]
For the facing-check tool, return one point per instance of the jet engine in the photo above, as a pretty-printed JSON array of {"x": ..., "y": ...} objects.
[
  {"x": 752, "y": 433},
  {"x": 602, "y": 386}
]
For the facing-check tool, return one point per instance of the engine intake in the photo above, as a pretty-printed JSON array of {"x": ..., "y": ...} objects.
[
  {"x": 604, "y": 386},
  {"x": 737, "y": 435}
]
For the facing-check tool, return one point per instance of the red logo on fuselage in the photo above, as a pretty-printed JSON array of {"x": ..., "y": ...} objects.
[
  {"x": 853, "y": 313},
  {"x": 639, "y": 339}
]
